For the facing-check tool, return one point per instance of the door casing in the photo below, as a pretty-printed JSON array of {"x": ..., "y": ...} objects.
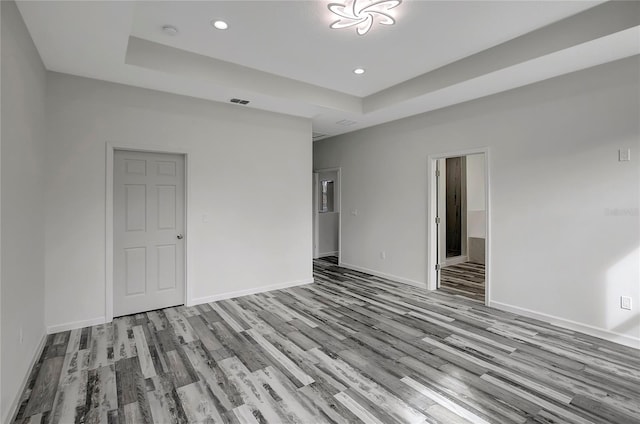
[
  {"x": 109, "y": 262},
  {"x": 432, "y": 235},
  {"x": 316, "y": 218}
]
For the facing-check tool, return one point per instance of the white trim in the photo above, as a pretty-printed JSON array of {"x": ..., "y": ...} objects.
[
  {"x": 488, "y": 265},
  {"x": 246, "y": 292},
  {"x": 611, "y": 336},
  {"x": 455, "y": 260},
  {"x": 15, "y": 404},
  {"x": 431, "y": 214},
  {"x": 316, "y": 217},
  {"x": 108, "y": 231},
  {"x": 188, "y": 263},
  {"x": 325, "y": 254},
  {"x": 53, "y": 329},
  {"x": 110, "y": 148},
  {"x": 383, "y": 275},
  {"x": 339, "y": 170}
]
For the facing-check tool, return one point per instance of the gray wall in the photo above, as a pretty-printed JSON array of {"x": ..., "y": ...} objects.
[
  {"x": 249, "y": 175},
  {"x": 476, "y": 210},
  {"x": 244, "y": 235},
  {"x": 564, "y": 211},
  {"x": 22, "y": 200}
]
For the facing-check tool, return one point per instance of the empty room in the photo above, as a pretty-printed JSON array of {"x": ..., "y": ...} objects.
[{"x": 322, "y": 211}]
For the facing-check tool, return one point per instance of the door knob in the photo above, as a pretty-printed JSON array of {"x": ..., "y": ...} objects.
[{"x": 180, "y": 236}]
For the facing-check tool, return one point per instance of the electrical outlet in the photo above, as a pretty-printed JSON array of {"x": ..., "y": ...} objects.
[
  {"x": 625, "y": 302},
  {"x": 20, "y": 335},
  {"x": 624, "y": 155},
  {"x": 383, "y": 255}
]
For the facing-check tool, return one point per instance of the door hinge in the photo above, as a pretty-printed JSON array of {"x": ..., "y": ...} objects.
[
  {"x": 437, "y": 172},
  {"x": 437, "y": 220},
  {"x": 438, "y": 267}
]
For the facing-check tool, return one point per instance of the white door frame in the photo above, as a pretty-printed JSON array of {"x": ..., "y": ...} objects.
[
  {"x": 110, "y": 148},
  {"x": 316, "y": 233},
  {"x": 431, "y": 216},
  {"x": 316, "y": 220}
]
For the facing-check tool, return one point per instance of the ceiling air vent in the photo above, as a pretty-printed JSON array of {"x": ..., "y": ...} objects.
[
  {"x": 318, "y": 136},
  {"x": 239, "y": 101},
  {"x": 346, "y": 122}
]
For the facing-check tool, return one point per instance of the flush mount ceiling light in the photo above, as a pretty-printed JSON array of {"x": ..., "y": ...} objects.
[
  {"x": 219, "y": 24},
  {"x": 358, "y": 71},
  {"x": 363, "y": 13}
]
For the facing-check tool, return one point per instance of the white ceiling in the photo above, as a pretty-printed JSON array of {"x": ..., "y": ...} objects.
[
  {"x": 283, "y": 57},
  {"x": 293, "y": 39}
]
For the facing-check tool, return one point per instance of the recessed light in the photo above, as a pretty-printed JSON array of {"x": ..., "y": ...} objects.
[
  {"x": 358, "y": 71},
  {"x": 170, "y": 30},
  {"x": 219, "y": 24}
]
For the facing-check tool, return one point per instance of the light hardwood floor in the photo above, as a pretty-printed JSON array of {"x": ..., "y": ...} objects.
[{"x": 349, "y": 348}]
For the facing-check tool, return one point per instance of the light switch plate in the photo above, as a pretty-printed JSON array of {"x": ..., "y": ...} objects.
[
  {"x": 624, "y": 155},
  {"x": 625, "y": 302}
]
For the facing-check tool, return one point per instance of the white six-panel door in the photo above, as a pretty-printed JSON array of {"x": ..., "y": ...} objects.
[{"x": 148, "y": 231}]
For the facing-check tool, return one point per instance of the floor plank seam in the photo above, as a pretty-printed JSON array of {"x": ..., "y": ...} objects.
[{"x": 350, "y": 347}]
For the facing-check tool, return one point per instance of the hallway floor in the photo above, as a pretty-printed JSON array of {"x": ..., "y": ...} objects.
[{"x": 465, "y": 279}]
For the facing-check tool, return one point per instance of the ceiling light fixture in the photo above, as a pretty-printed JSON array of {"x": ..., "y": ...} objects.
[
  {"x": 363, "y": 13},
  {"x": 219, "y": 24},
  {"x": 358, "y": 71},
  {"x": 170, "y": 30}
]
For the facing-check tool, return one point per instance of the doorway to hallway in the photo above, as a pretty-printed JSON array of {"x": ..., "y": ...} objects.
[
  {"x": 459, "y": 225},
  {"x": 326, "y": 212}
]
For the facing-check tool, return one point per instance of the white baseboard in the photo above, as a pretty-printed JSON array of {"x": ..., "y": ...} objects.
[
  {"x": 52, "y": 329},
  {"x": 325, "y": 254},
  {"x": 246, "y": 292},
  {"x": 13, "y": 408},
  {"x": 456, "y": 260},
  {"x": 611, "y": 336},
  {"x": 384, "y": 275}
]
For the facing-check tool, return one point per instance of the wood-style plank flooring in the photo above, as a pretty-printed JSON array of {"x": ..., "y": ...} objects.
[
  {"x": 349, "y": 348},
  {"x": 465, "y": 279}
]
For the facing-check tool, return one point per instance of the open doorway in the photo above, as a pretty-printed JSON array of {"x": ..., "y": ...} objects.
[
  {"x": 326, "y": 235},
  {"x": 460, "y": 224}
]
